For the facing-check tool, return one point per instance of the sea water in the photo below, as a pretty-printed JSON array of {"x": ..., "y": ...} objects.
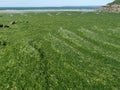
[{"x": 52, "y": 8}]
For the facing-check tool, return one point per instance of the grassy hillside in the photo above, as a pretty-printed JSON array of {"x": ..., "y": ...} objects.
[
  {"x": 115, "y": 2},
  {"x": 60, "y": 51}
]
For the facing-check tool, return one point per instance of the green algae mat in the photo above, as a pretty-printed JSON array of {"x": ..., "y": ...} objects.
[{"x": 60, "y": 51}]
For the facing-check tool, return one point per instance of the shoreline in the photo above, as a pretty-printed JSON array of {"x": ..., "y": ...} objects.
[{"x": 29, "y": 11}]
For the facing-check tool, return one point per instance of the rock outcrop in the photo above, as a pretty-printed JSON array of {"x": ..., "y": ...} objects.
[{"x": 110, "y": 8}]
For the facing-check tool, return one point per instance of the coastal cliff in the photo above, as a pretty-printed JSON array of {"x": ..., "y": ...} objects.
[{"x": 111, "y": 7}]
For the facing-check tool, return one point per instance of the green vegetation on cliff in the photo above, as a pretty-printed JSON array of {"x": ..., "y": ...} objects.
[{"x": 115, "y": 2}]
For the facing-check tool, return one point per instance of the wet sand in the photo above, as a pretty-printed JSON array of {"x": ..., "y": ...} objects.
[{"x": 29, "y": 11}]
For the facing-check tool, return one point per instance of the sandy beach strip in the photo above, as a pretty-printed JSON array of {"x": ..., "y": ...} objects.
[{"x": 29, "y": 11}]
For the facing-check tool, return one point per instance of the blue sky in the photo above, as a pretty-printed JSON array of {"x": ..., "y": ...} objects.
[{"x": 41, "y": 3}]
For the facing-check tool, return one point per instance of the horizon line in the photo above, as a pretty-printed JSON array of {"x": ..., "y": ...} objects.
[{"x": 54, "y": 6}]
